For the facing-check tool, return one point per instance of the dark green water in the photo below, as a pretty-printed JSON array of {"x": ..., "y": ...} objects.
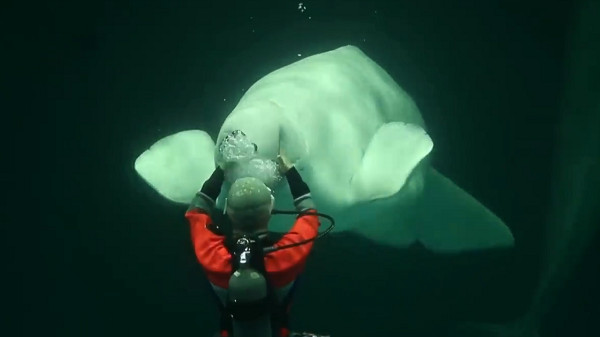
[{"x": 117, "y": 76}]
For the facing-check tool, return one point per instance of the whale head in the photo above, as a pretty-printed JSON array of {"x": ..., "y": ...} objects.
[
  {"x": 259, "y": 126},
  {"x": 267, "y": 133}
]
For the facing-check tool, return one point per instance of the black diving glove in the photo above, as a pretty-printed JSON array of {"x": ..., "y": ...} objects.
[
  {"x": 212, "y": 186},
  {"x": 205, "y": 199},
  {"x": 299, "y": 189}
]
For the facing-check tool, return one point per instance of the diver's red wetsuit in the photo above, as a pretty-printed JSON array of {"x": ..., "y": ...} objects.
[{"x": 282, "y": 266}]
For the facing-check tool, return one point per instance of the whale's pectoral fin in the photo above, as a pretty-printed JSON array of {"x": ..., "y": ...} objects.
[
  {"x": 390, "y": 157},
  {"x": 450, "y": 220},
  {"x": 177, "y": 165}
]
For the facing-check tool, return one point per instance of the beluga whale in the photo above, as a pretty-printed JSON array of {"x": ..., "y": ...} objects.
[{"x": 358, "y": 140}]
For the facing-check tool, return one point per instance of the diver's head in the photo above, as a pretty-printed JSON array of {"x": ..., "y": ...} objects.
[{"x": 249, "y": 204}]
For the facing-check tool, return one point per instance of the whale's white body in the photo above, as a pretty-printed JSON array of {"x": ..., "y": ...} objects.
[{"x": 358, "y": 140}]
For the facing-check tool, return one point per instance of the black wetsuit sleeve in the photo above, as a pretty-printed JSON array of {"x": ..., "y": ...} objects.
[
  {"x": 205, "y": 199},
  {"x": 299, "y": 189},
  {"x": 212, "y": 186}
]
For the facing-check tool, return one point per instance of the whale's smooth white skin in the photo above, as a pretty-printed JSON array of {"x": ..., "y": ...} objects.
[{"x": 358, "y": 140}]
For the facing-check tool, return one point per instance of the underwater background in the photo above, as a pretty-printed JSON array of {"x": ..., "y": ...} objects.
[{"x": 488, "y": 77}]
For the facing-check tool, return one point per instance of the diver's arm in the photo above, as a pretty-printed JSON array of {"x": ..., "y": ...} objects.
[
  {"x": 205, "y": 199},
  {"x": 208, "y": 245},
  {"x": 300, "y": 191},
  {"x": 284, "y": 266},
  {"x": 209, "y": 248}
]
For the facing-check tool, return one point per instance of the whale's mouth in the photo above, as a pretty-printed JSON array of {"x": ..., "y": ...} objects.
[
  {"x": 236, "y": 146},
  {"x": 239, "y": 156}
]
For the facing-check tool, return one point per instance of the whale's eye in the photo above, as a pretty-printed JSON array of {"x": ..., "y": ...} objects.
[{"x": 255, "y": 147}]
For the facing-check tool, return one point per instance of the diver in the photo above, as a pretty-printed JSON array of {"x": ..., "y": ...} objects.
[{"x": 225, "y": 252}]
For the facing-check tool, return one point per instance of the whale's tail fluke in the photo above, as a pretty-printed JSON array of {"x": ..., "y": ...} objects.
[{"x": 451, "y": 220}]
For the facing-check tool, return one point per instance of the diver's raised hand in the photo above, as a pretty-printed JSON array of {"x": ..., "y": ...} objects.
[{"x": 283, "y": 163}]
